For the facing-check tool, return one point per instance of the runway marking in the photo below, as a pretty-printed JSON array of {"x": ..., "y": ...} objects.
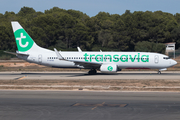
[
  {"x": 20, "y": 78},
  {"x": 94, "y": 108},
  {"x": 99, "y": 105}
]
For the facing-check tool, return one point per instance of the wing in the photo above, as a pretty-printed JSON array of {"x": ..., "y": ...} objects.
[
  {"x": 87, "y": 64},
  {"x": 83, "y": 64}
]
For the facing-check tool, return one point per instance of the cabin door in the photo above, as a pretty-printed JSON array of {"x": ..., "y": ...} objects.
[
  {"x": 156, "y": 59},
  {"x": 40, "y": 58}
]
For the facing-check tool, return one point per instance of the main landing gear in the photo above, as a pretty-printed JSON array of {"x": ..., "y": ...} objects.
[
  {"x": 159, "y": 72},
  {"x": 92, "y": 72}
]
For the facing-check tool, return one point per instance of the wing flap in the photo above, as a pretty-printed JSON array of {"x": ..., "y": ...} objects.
[{"x": 87, "y": 64}]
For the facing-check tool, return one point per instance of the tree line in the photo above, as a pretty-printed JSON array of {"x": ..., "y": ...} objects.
[{"x": 67, "y": 29}]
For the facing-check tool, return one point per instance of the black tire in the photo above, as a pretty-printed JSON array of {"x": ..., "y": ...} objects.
[{"x": 92, "y": 72}]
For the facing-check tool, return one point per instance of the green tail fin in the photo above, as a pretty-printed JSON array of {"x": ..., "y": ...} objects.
[{"x": 23, "y": 41}]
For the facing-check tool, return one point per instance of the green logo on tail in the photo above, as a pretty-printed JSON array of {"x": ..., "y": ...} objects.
[{"x": 23, "y": 40}]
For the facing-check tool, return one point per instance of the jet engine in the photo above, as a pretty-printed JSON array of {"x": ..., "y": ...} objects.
[{"x": 108, "y": 68}]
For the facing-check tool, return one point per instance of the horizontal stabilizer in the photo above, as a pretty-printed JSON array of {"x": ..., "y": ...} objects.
[{"x": 13, "y": 53}]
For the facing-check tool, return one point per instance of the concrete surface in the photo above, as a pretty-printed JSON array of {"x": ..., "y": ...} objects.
[
  {"x": 83, "y": 75},
  {"x": 79, "y": 105}
]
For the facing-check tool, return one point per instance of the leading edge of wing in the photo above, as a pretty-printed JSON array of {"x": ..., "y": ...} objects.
[{"x": 80, "y": 63}]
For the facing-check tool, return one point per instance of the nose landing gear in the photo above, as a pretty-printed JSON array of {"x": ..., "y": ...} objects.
[{"x": 159, "y": 72}]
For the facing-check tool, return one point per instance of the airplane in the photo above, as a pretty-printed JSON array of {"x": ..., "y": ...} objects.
[{"x": 110, "y": 62}]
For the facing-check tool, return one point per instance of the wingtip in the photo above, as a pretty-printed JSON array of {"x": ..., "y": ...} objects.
[{"x": 58, "y": 54}]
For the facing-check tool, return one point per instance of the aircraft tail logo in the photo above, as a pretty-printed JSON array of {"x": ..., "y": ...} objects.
[{"x": 23, "y": 40}]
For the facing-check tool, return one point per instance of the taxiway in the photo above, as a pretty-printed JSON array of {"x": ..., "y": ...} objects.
[{"x": 167, "y": 75}]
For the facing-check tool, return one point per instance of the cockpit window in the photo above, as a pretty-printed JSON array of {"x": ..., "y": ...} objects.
[{"x": 166, "y": 58}]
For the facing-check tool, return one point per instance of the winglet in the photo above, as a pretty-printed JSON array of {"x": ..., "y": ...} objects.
[
  {"x": 79, "y": 49},
  {"x": 58, "y": 54}
]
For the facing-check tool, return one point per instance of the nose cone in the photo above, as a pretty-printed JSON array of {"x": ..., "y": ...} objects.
[{"x": 173, "y": 62}]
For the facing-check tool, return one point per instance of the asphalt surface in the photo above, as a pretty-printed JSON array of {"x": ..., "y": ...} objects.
[
  {"x": 83, "y": 75},
  {"x": 80, "y": 105}
]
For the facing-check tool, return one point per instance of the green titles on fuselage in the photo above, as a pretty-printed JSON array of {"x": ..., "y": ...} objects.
[{"x": 116, "y": 58}]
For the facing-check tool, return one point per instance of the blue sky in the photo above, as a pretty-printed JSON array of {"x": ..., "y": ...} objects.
[{"x": 93, "y": 7}]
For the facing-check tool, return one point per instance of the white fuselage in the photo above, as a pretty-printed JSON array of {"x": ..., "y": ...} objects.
[{"x": 123, "y": 60}]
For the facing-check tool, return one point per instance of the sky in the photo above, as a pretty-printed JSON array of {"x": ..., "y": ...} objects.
[{"x": 93, "y": 7}]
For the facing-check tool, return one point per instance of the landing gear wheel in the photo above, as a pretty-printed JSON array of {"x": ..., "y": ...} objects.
[
  {"x": 92, "y": 72},
  {"x": 159, "y": 72}
]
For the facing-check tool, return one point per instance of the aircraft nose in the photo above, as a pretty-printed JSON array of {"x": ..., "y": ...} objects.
[{"x": 173, "y": 62}]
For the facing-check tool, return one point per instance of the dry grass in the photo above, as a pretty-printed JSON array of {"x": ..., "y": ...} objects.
[{"x": 117, "y": 85}]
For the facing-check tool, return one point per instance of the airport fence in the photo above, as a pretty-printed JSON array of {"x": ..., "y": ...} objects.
[{"x": 177, "y": 54}]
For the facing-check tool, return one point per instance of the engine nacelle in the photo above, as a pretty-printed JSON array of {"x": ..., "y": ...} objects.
[{"x": 108, "y": 68}]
